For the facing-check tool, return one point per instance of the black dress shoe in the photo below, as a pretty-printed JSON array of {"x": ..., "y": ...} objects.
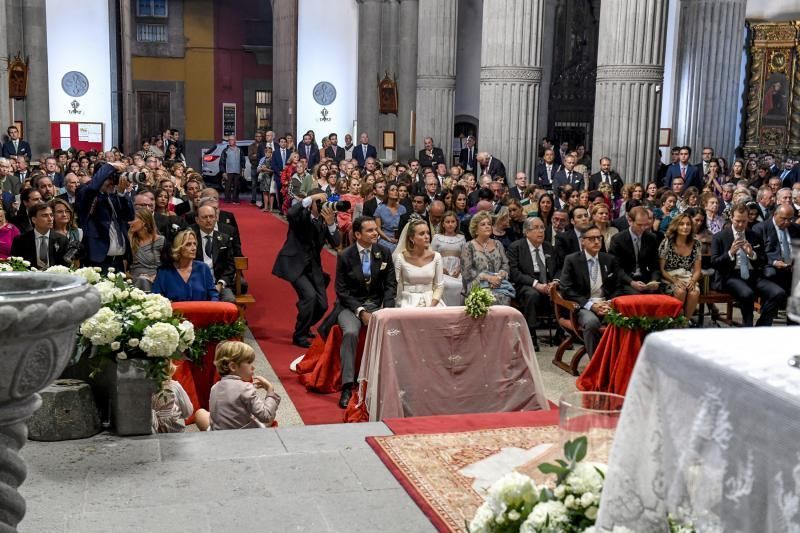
[
  {"x": 347, "y": 393},
  {"x": 302, "y": 342}
]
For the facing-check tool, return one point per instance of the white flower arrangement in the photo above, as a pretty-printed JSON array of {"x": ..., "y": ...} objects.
[
  {"x": 160, "y": 340},
  {"x": 478, "y": 301},
  {"x": 515, "y": 504}
]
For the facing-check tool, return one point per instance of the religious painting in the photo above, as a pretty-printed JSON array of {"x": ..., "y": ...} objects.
[
  {"x": 387, "y": 95},
  {"x": 772, "y": 110},
  {"x": 17, "y": 78}
]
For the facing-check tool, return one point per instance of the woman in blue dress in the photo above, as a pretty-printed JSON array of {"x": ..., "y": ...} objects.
[
  {"x": 182, "y": 279},
  {"x": 387, "y": 217}
]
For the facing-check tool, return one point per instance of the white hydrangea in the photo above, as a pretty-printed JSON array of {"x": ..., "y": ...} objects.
[
  {"x": 156, "y": 307},
  {"x": 586, "y": 478},
  {"x": 107, "y": 291},
  {"x": 138, "y": 294},
  {"x": 58, "y": 269},
  {"x": 133, "y": 343},
  {"x": 115, "y": 346},
  {"x": 513, "y": 489},
  {"x": 103, "y": 328},
  {"x": 160, "y": 340},
  {"x": 186, "y": 330},
  {"x": 483, "y": 519},
  {"x": 552, "y": 513},
  {"x": 91, "y": 274}
]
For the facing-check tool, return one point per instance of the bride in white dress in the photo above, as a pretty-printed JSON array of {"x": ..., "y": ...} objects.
[{"x": 420, "y": 282}]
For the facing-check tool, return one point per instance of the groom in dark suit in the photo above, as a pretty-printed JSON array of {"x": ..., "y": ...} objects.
[
  {"x": 591, "y": 279},
  {"x": 365, "y": 283},
  {"x": 41, "y": 246}
]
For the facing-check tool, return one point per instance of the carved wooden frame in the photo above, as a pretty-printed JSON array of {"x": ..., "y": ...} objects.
[{"x": 774, "y": 56}]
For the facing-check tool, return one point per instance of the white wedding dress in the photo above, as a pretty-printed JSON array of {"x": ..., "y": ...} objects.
[{"x": 418, "y": 286}]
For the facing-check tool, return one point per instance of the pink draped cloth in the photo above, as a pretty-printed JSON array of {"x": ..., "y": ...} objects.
[{"x": 437, "y": 361}]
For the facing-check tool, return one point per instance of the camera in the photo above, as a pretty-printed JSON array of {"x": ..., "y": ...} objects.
[{"x": 342, "y": 206}]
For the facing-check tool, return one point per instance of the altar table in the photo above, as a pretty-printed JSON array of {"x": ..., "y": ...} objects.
[
  {"x": 710, "y": 433},
  {"x": 435, "y": 361},
  {"x": 611, "y": 366}
]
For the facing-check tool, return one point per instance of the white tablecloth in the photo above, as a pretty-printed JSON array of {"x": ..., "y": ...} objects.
[
  {"x": 710, "y": 432},
  {"x": 438, "y": 361}
]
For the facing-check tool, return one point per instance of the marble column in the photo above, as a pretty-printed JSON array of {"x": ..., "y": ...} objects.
[
  {"x": 548, "y": 45},
  {"x": 284, "y": 67},
  {"x": 5, "y": 104},
  {"x": 436, "y": 72},
  {"x": 710, "y": 42},
  {"x": 511, "y": 75},
  {"x": 369, "y": 62},
  {"x": 630, "y": 71},
  {"x": 406, "y": 77},
  {"x": 37, "y": 103},
  {"x": 128, "y": 126}
]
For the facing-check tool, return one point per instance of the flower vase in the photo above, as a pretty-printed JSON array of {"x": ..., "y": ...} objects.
[
  {"x": 128, "y": 392},
  {"x": 39, "y": 316}
]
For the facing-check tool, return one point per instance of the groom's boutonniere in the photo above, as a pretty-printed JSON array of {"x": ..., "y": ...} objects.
[
  {"x": 383, "y": 266},
  {"x": 377, "y": 255}
]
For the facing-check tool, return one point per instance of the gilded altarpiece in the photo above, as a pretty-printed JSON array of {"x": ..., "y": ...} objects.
[{"x": 772, "y": 112}]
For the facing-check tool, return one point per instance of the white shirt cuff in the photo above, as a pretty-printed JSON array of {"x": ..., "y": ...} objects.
[
  {"x": 588, "y": 305},
  {"x": 306, "y": 202}
]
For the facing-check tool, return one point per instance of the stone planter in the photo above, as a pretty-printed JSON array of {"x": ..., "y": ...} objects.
[
  {"x": 39, "y": 317},
  {"x": 129, "y": 393}
]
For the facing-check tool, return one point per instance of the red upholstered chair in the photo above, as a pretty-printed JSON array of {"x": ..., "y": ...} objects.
[
  {"x": 566, "y": 312},
  {"x": 201, "y": 377}
]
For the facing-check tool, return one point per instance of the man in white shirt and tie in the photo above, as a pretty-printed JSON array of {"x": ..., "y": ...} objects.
[
  {"x": 607, "y": 175},
  {"x": 778, "y": 232},
  {"x": 466, "y": 158},
  {"x": 15, "y": 145},
  {"x": 364, "y": 151},
  {"x": 41, "y": 247}
]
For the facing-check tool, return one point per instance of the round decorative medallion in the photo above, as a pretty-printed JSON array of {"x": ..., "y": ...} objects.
[
  {"x": 75, "y": 83},
  {"x": 324, "y": 93}
]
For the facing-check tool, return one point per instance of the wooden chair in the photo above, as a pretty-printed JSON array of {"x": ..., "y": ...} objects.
[
  {"x": 242, "y": 300},
  {"x": 709, "y": 296},
  {"x": 566, "y": 313}
]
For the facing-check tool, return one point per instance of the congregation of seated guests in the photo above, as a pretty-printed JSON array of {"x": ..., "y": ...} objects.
[{"x": 146, "y": 215}]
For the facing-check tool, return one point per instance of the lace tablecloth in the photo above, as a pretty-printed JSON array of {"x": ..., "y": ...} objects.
[
  {"x": 434, "y": 361},
  {"x": 710, "y": 433}
]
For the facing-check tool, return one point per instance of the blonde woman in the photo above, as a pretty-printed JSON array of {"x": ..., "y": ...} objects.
[
  {"x": 146, "y": 247},
  {"x": 185, "y": 279}
]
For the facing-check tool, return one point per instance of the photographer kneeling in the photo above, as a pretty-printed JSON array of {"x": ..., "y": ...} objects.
[{"x": 312, "y": 223}]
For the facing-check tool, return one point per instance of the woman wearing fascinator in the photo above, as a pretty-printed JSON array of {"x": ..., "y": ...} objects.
[{"x": 420, "y": 282}]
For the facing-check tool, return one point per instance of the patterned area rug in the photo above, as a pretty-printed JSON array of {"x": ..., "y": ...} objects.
[{"x": 447, "y": 474}]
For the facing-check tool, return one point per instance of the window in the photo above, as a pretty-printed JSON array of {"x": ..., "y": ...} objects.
[
  {"x": 151, "y": 8},
  {"x": 151, "y": 32},
  {"x": 263, "y": 110}
]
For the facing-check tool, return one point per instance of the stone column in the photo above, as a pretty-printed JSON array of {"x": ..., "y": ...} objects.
[
  {"x": 710, "y": 41},
  {"x": 511, "y": 74},
  {"x": 406, "y": 77},
  {"x": 630, "y": 71},
  {"x": 436, "y": 72},
  {"x": 548, "y": 44},
  {"x": 128, "y": 126},
  {"x": 369, "y": 62},
  {"x": 37, "y": 103},
  {"x": 284, "y": 67},
  {"x": 6, "y": 117}
]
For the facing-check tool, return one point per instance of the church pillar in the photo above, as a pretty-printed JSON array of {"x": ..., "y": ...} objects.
[
  {"x": 369, "y": 59},
  {"x": 710, "y": 41},
  {"x": 284, "y": 68},
  {"x": 406, "y": 78},
  {"x": 5, "y": 104},
  {"x": 548, "y": 43},
  {"x": 630, "y": 71},
  {"x": 436, "y": 73},
  {"x": 511, "y": 75},
  {"x": 37, "y": 103}
]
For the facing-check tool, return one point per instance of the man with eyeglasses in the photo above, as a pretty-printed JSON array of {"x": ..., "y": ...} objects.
[{"x": 591, "y": 278}]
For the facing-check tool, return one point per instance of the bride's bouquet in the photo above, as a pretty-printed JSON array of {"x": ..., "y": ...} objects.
[{"x": 478, "y": 301}]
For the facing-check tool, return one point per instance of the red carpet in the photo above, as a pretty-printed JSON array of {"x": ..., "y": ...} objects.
[{"x": 272, "y": 317}]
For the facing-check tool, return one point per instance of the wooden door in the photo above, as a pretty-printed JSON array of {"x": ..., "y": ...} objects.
[{"x": 154, "y": 114}]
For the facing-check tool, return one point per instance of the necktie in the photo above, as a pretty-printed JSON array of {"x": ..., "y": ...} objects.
[
  {"x": 744, "y": 265},
  {"x": 209, "y": 249},
  {"x": 308, "y": 151},
  {"x": 593, "y": 270},
  {"x": 569, "y": 177},
  {"x": 365, "y": 264},
  {"x": 16, "y": 146},
  {"x": 786, "y": 247},
  {"x": 636, "y": 248},
  {"x": 283, "y": 156},
  {"x": 605, "y": 178},
  {"x": 683, "y": 172},
  {"x": 43, "y": 260},
  {"x": 542, "y": 266},
  {"x": 364, "y": 150}
]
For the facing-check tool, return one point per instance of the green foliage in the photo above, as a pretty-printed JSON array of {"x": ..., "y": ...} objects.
[{"x": 644, "y": 323}]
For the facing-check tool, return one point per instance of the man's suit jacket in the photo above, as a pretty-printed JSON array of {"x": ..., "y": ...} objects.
[
  {"x": 312, "y": 157},
  {"x": 337, "y": 154},
  {"x": 616, "y": 182},
  {"x": 724, "y": 266},
  {"x": 278, "y": 163},
  {"x": 370, "y": 206},
  {"x": 169, "y": 226},
  {"x": 95, "y": 214},
  {"x": 495, "y": 168},
  {"x": 353, "y": 290},
  {"x": 65, "y": 197},
  {"x": 57, "y": 179},
  {"x": 576, "y": 286},
  {"x": 465, "y": 160},
  {"x": 567, "y": 243},
  {"x": 24, "y": 246},
  {"x": 562, "y": 178},
  {"x": 358, "y": 154},
  {"x": 301, "y": 250},
  {"x": 426, "y": 160},
  {"x": 222, "y": 255},
  {"x": 541, "y": 178},
  {"x": 520, "y": 263},
  {"x": 772, "y": 245},
  {"x": 11, "y": 185},
  {"x": 622, "y": 248},
  {"x": 23, "y": 149},
  {"x": 405, "y": 217},
  {"x": 694, "y": 178}
]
